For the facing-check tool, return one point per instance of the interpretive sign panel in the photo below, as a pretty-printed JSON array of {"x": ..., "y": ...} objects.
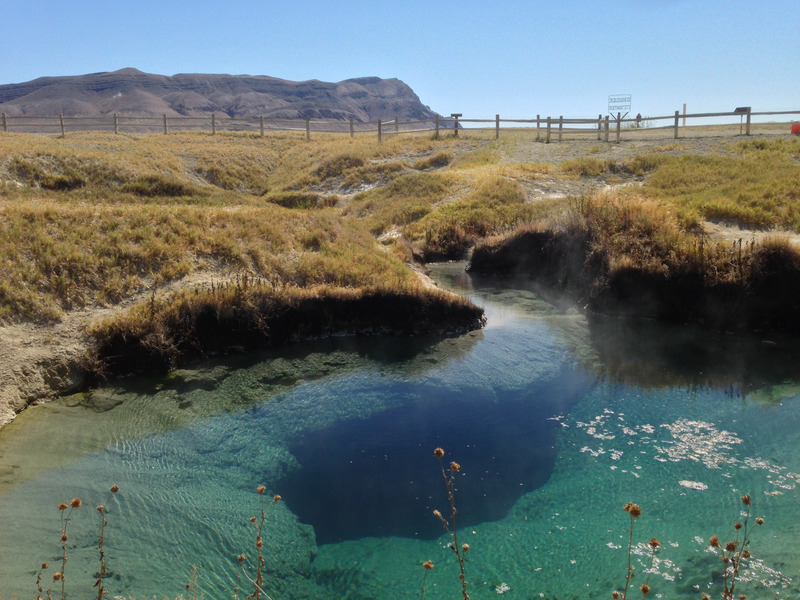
[{"x": 619, "y": 103}]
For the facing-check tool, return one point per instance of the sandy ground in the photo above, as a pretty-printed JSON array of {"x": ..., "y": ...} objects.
[{"x": 39, "y": 362}]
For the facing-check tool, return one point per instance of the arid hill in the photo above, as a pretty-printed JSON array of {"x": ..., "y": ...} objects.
[{"x": 134, "y": 93}]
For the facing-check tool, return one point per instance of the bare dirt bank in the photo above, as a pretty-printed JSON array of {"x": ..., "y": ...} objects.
[{"x": 39, "y": 362}]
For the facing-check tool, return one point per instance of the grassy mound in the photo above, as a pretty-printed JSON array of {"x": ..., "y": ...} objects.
[
  {"x": 246, "y": 316},
  {"x": 627, "y": 255}
]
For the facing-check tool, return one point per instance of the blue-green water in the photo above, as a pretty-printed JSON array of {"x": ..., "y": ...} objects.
[{"x": 557, "y": 421}]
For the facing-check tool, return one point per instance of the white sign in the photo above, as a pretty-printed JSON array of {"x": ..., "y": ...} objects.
[{"x": 619, "y": 103}]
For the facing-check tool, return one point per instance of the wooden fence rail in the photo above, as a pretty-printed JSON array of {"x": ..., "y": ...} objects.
[{"x": 547, "y": 129}]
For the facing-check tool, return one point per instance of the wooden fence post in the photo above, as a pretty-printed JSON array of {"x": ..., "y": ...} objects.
[
  {"x": 606, "y": 132},
  {"x": 497, "y": 127},
  {"x": 560, "y": 126},
  {"x": 165, "y": 123},
  {"x": 455, "y": 123},
  {"x": 547, "y": 138},
  {"x": 308, "y": 129},
  {"x": 396, "y": 124},
  {"x": 116, "y": 124},
  {"x": 747, "y": 129},
  {"x": 538, "y": 122},
  {"x": 380, "y": 133},
  {"x": 5, "y": 125},
  {"x": 599, "y": 127},
  {"x": 61, "y": 120},
  {"x": 436, "y": 135},
  {"x": 352, "y": 130},
  {"x": 261, "y": 124},
  {"x": 619, "y": 125},
  {"x": 213, "y": 123},
  {"x": 677, "y": 114}
]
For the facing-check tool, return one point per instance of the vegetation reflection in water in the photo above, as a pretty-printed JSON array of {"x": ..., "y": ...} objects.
[{"x": 189, "y": 451}]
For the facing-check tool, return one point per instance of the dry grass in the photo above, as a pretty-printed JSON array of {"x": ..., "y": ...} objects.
[
  {"x": 251, "y": 314},
  {"x": 756, "y": 184},
  {"x": 95, "y": 217},
  {"x": 57, "y": 256}
]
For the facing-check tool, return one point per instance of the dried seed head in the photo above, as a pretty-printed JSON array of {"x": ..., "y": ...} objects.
[
  {"x": 616, "y": 595},
  {"x": 259, "y": 544},
  {"x": 746, "y": 499},
  {"x": 654, "y": 543},
  {"x": 645, "y": 589},
  {"x": 57, "y": 576},
  {"x": 714, "y": 542},
  {"x": 241, "y": 558},
  {"x": 759, "y": 521},
  {"x": 730, "y": 546},
  {"x": 436, "y": 513},
  {"x": 76, "y": 503},
  {"x": 252, "y": 519},
  {"x": 114, "y": 488},
  {"x": 465, "y": 547},
  {"x": 44, "y": 566},
  {"x": 454, "y": 466},
  {"x": 737, "y": 526},
  {"x": 427, "y": 565},
  {"x": 63, "y": 506},
  {"x": 101, "y": 509},
  {"x": 260, "y": 489},
  {"x": 705, "y": 596},
  {"x": 633, "y": 510},
  {"x": 276, "y": 498},
  {"x": 64, "y": 537},
  {"x": 745, "y": 553},
  {"x": 438, "y": 453}
]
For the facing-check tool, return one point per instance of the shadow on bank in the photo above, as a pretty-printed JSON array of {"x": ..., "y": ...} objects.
[{"x": 676, "y": 327}]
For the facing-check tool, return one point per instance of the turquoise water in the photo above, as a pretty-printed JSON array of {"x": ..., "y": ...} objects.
[{"x": 557, "y": 421}]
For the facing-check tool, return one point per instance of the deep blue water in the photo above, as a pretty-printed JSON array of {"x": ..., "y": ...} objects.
[{"x": 377, "y": 477}]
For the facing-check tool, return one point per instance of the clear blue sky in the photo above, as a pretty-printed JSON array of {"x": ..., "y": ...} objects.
[{"x": 515, "y": 58}]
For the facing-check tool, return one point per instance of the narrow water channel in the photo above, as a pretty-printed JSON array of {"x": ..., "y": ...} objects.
[{"x": 556, "y": 419}]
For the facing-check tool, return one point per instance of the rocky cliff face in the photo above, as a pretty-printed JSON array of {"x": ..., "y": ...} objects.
[{"x": 134, "y": 93}]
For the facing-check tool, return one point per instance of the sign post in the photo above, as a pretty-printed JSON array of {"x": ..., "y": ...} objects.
[
  {"x": 455, "y": 124},
  {"x": 741, "y": 111}
]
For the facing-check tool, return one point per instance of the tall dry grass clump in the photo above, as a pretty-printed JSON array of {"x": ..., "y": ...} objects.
[
  {"x": 250, "y": 314},
  {"x": 625, "y": 253}
]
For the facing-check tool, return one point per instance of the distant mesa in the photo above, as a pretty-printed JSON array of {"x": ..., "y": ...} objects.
[{"x": 134, "y": 93}]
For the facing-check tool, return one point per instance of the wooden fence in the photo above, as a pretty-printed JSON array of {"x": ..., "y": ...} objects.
[{"x": 547, "y": 129}]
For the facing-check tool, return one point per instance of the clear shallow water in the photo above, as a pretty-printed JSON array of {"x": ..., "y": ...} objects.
[{"x": 557, "y": 422}]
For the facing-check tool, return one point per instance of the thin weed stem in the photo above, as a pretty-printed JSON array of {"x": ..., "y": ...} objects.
[
  {"x": 100, "y": 543},
  {"x": 39, "y": 589},
  {"x": 60, "y": 575},
  {"x": 258, "y": 582},
  {"x": 258, "y": 589},
  {"x": 450, "y": 525},
  {"x": 734, "y": 552},
  {"x": 191, "y": 586},
  {"x": 635, "y": 511},
  {"x": 428, "y": 566}
]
